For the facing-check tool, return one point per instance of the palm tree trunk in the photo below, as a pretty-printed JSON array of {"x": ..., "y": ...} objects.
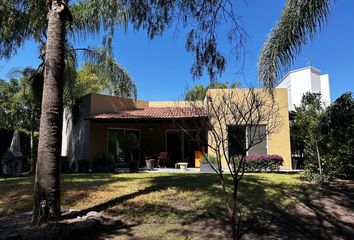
[
  {"x": 33, "y": 162},
  {"x": 47, "y": 180}
]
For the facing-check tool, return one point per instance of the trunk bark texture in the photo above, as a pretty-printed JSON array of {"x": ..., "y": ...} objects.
[{"x": 47, "y": 180}]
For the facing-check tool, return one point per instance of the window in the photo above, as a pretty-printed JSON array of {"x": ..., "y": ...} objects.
[
  {"x": 116, "y": 144},
  {"x": 240, "y": 137}
]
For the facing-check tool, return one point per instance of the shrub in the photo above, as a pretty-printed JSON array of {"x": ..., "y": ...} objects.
[
  {"x": 102, "y": 163},
  {"x": 316, "y": 178},
  {"x": 263, "y": 163},
  {"x": 84, "y": 165},
  {"x": 212, "y": 160},
  {"x": 65, "y": 164}
]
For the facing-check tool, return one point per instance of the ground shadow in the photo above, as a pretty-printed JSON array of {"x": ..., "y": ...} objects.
[{"x": 313, "y": 213}]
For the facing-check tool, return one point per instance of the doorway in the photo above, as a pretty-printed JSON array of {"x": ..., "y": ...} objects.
[{"x": 174, "y": 145}]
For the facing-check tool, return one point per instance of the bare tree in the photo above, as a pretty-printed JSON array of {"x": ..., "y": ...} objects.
[{"x": 244, "y": 117}]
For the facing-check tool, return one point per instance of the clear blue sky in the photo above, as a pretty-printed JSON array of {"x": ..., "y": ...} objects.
[{"x": 161, "y": 67}]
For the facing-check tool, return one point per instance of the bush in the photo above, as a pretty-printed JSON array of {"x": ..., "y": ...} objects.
[
  {"x": 65, "y": 164},
  {"x": 84, "y": 165},
  {"x": 212, "y": 160},
  {"x": 316, "y": 177},
  {"x": 263, "y": 163},
  {"x": 102, "y": 163}
]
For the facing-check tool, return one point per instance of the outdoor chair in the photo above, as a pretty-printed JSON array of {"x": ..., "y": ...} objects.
[{"x": 163, "y": 159}]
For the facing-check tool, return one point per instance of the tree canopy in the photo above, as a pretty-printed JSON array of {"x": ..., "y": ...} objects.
[{"x": 199, "y": 91}]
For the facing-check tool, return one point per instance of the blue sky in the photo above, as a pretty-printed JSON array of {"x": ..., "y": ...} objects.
[{"x": 161, "y": 67}]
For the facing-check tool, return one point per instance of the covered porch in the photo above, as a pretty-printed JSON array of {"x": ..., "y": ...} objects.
[{"x": 155, "y": 130}]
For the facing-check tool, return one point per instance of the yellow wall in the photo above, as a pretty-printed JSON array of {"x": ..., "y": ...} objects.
[{"x": 278, "y": 142}]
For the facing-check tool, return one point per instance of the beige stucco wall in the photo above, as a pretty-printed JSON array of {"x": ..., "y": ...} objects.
[
  {"x": 278, "y": 141},
  {"x": 104, "y": 103}
]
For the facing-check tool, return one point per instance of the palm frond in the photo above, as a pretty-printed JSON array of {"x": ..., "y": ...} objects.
[
  {"x": 113, "y": 75},
  {"x": 299, "y": 22},
  {"x": 92, "y": 16}
]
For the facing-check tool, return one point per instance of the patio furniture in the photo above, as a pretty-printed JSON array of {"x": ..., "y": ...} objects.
[
  {"x": 182, "y": 165},
  {"x": 163, "y": 159}
]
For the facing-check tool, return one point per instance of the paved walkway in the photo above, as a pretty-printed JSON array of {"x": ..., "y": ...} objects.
[
  {"x": 197, "y": 170},
  {"x": 172, "y": 170}
]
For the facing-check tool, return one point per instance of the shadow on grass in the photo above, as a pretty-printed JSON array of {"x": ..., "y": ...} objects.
[{"x": 270, "y": 209}]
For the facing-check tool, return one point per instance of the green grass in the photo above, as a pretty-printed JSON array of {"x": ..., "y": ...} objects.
[{"x": 167, "y": 200}]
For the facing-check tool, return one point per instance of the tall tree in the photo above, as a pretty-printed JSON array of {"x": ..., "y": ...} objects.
[
  {"x": 299, "y": 22},
  {"x": 337, "y": 129},
  {"x": 29, "y": 99},
  {"x": 306, "y": 126},
  {"x": 47, "y": 181}
]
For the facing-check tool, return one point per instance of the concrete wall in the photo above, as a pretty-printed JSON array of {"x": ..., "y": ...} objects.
[
  {"x": 303, "y": 80},
  {"x": 76, "y": 132},
  {"x": 325, "y": 90}
]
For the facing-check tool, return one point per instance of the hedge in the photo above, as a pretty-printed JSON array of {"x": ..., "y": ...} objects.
[{"x": 263, "y": 163}]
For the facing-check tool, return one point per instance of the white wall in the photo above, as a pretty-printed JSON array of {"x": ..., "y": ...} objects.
[
  {"x": 303, "y": 80},
  {"x": 325, "y": 91}
]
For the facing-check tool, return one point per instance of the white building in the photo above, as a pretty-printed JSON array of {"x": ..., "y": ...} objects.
[{"x": 303, "y": 80}]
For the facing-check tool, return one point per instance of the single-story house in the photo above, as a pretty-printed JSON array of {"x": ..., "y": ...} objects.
[{"x": 98, "y": 126}]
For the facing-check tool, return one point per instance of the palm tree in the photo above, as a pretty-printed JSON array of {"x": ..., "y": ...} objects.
[
  {"x": 22, "y": 20},
  {"x": 299, "y": 22}
]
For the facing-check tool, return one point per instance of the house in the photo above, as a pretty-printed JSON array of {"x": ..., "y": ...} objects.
[
  {"x": 101, "y": 122},
  {"x": 300, "y": 81}
]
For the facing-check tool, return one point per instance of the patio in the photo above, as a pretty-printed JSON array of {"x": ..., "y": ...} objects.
[{"x": 157, "y": 130}]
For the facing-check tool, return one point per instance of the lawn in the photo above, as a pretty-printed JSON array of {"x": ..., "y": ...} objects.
[{"x": 184, "y": 205}]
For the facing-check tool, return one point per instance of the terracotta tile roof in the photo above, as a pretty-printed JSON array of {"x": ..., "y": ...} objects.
[{"x": 152, "y": 113}]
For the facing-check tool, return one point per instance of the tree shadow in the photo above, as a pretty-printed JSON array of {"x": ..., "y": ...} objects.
[{"x": 269, "y": 209}]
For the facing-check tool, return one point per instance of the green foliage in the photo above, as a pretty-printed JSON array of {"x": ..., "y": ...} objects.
[
  {"x": 210, "y": 159},
  {"x": 20, "y": 100},
  {"x": 20, "y": 21},
  {"x": 333, "y": 132},
  {"x": 263, "y": 163},
  {"x": 306, "y": 127},
  {"x": 299, "y": 21},
  {"x": 337, "y": 128},
  {"x": 198, "y": 92},
  {"x": 316, "y": 177}
]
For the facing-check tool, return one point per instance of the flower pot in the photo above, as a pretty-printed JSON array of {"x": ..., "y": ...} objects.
[{"x": 150, "y": 164}]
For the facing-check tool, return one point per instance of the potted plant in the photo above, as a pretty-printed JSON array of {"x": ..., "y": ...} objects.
[{"x": 207, "y": 164}]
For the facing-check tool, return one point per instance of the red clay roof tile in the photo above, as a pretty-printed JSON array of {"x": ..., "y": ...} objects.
[{"x": 152, "y": 113}]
